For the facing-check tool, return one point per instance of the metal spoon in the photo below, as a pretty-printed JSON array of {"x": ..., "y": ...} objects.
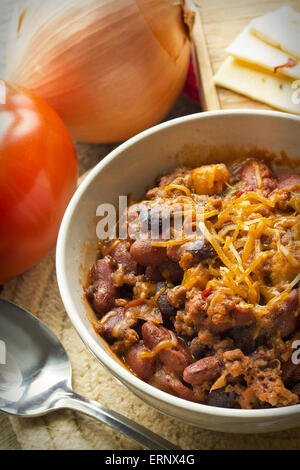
[{"x": 36, "y": 377}]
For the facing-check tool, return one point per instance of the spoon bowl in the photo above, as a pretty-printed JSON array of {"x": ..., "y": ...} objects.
[
  {"x": 37, "y": 367},
  {"x": 35, "y": 378}
]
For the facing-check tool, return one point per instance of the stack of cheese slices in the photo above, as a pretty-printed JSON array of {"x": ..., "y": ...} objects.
[{"x": 264, "y": 61}]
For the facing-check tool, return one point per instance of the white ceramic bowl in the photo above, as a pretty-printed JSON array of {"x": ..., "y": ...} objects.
[{"x": 132, "y": 168}]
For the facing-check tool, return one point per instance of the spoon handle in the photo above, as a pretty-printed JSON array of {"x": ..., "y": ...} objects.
[{"x": 117, "y": 421}]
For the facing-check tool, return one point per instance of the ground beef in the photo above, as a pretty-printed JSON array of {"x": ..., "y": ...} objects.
[
  {"x": 176, "y": 176},
  {"x": 282, "y": 316},
  {"x": 264, "y": 383},
  {"x": 197, "y": 319},
  {"x": 177, "y": 296},
  {"x": 183, "y": 325},
  {"x": 268, "y": 387}
]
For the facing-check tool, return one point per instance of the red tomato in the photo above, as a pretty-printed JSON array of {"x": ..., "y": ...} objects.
[{"x": 38, "y": 175}]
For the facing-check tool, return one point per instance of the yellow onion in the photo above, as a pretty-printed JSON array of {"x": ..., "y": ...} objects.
[{"x": 110, "y": 68}]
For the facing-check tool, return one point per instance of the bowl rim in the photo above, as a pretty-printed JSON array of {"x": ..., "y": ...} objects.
[{"x": 117, "y": 370}]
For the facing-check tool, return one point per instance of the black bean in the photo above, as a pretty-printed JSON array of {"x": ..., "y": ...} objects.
[
  {"x": 164, "y": 305},
  {"x": 296, "y": 390},
  {"x": 222, "y": 399},
  {"x": 262, "y": 405},
  {"x": 197, "y": 349},
  {"x": 200, "y": 248},
  {"x": 157, "y": 219},
  {"x": 243, "y": 337},
  {"x": 173, "y": 270}
]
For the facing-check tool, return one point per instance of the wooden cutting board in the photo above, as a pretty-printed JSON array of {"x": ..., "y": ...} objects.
[{"x": 218, "y": 22}]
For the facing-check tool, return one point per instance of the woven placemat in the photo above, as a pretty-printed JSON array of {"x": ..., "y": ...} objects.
[{"x": 37, "y": 291}]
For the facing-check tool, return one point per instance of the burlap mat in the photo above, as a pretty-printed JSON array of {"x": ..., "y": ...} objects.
[{"x": 37, "y": 291}]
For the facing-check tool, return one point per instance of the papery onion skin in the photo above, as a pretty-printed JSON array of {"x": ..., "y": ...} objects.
[{"x": 110, "y": 69}]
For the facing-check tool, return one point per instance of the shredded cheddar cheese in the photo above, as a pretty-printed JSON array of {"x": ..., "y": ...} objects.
[
  {"x": 174, "y": 242},
  {"x": 165, "y": 344},
  {"x": 246, "y": 230},
  {"x": 258, "y": 176},
  {"x": 179, "y": 187},
  {"x": 240, "y": 226},
  {"x": 158, "y": 294}
]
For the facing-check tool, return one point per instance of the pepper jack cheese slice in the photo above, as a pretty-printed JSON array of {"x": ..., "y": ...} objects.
[
  {"x": 258, "y": 84},
  {"x": 281, "y": 29},
  {"x": 249, "y": 48}
]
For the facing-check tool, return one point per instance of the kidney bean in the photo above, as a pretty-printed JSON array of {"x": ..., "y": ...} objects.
[
  {"x": 282, "y": 317},
  {"x": 143, "y": 367},
  {"x": 153, "y": 334},
  {"x": 287, "y": 320},
  {"x": 290, "y": 183},
  {"x": 175, "y": 252},
  {"x": 108, "y": 322},
  {"x": 122, "y": 256},
  {"x": 249, "y": 177},
  {"x": 152, "y": 274},
  {"x": 147, "y": 255},
  {"x": 176, "y": 358},
  {"x": 205, "y": 370},
  {"x": 101, "y": 292},
  {"x": 170, "y": 383},
  {"x": 242, "y": 316}
]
